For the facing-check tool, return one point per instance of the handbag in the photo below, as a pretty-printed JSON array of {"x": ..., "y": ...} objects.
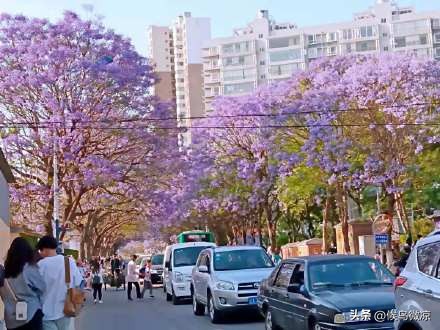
[
  {"x": 20, "y": 306},
  {"x": 75, "y": 297}
]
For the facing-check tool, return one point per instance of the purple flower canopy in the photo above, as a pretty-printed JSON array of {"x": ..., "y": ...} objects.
[{"x": 359, "y": 119}]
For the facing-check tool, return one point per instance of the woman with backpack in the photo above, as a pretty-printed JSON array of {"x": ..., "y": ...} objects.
[
  {"x": 97, "y": 281},
  {"x": 22, "y": 288}
]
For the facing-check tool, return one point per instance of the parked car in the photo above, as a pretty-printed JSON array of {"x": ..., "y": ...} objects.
[
  {"x": 179, "y": 260},
  {"x": 227, "y": 278},
  {"x": 157, "y": 268},
  {"x": 327, "y": 292},
  {"x": 418, "y": 286}
]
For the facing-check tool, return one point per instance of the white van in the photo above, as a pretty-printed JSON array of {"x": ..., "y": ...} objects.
[{"x": 179, "y": 260}]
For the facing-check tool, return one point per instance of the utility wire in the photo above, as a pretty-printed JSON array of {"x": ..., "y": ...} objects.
[
  {"x": 435, "y": 124},
  {"x": 239, "y": 115}
]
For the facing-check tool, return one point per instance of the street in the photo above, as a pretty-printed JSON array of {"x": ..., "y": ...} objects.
[{"x": 116, "y": 313}]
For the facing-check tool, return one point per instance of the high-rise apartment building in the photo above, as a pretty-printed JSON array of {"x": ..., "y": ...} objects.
[
  {"x": 265, "y": 52},
  {"x": 176, "y": 51}
]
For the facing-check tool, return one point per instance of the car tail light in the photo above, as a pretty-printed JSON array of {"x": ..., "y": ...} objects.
[{"x": 400, "y": 280}]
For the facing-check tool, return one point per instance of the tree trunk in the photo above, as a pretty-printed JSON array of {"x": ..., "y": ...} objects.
[
  {"x": 341, "y": 198},
  {"x": 325, "y": 223}
]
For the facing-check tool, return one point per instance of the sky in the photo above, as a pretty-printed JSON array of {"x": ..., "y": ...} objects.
[{"x": 132, "y": 17}]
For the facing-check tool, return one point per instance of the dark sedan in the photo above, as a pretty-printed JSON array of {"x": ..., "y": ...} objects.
[{"x": 328, "y": 292}]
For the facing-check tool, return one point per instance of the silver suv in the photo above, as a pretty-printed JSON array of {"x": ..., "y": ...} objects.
[
  {"x": 228, "y": 278},
  {"x": 418, "y": 287}
]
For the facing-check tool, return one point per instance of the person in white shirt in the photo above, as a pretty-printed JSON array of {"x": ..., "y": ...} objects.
[
  {"x": 133, "y": 278},
  {"x": 148, "y": 285},
  {"x": 53, "y": 272}
]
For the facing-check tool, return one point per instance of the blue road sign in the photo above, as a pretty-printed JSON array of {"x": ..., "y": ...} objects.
[{"x": 381, "y": 239}]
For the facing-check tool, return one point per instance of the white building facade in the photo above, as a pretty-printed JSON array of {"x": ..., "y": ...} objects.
[
  {"x": 176, "y": 51},
  {"x": 266, "y": 52}
]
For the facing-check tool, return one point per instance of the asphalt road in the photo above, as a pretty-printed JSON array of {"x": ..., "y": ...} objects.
[{"x": 117, "y": 313}]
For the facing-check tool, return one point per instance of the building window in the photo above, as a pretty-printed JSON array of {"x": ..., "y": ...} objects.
[
  {"x": 284, "y": 42},
  {"x": 384, "y": 34},
  {"x": 263, "y": 76},
  {"x": 410, "y": 28},
  {"x": 260, "y": 36},
  {"x": 284, "y": 69},
  {"x": 231, "y": 75},
  {"x": 399, "y": 42},
  {"x": 383, "y": 20},
  {"x": 366, "y": 31},
  {"x": 238, "y": 60},
  {"x": 230, "y": 89},
  {"x": 347, "y": 34},
  {"x": 364, "y": 46},
  {"x": 385, "y": 48},
  {"x": 262, "y": 49},
  {"x": 437, "y": 37},
  {"x": 285, "y": 55},
  {"x": 262, "y": 62},
  {"x": 415, "y": 40},
  {"x": 332, "y": 36}
]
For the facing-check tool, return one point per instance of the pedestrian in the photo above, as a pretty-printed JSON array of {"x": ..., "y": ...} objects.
[
  {"x": 277, "y": 256},
  {"x": 115, "y": 264},
  {"x": 52, "y": 268},
  {"x": 401, "y": 263},
  {"x": 22, "y": 288},
  {"x": 332, "y": 249},
  {"x": 97, "y": 281},
  {"x": 249, "y": 237},
  {"x": 147, "y": 280},
  {"x": 133, "y": 278}
]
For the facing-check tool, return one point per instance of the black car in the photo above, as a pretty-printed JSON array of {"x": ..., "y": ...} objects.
[{"x": 328, "y": 292}]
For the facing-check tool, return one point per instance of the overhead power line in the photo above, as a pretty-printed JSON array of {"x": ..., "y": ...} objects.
[
  {"x": 238, "y": 115},
  {"x": 434, "y": 124}
]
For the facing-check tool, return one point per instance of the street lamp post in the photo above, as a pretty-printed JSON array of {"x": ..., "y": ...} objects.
[{"x": 56, "y": 200}]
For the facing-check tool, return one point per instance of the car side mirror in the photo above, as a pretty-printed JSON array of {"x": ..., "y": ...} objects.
[
  {"x": 294, "y": 288},
  {"x": 203, "y": 269},
  {"x": 167, "y": 265}
]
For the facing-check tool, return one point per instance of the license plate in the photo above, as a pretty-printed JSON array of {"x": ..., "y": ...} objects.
[{"x": 252, "y": 301}]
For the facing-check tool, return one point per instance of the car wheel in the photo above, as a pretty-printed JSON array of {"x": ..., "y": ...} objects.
[
  {"x": 269, "y": 321},
  {"x": 169, "y": 297},
  {"x": 214, "y": 313},
  {"x": 314, "y": 326},
  {"x": 174, "y": 298},
  {"x": 198, "y": 308}
]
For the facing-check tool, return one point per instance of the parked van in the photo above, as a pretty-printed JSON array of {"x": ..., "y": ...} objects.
[{"x": 179, "y": 261}]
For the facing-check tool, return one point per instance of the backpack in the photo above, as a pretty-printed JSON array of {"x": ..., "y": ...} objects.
[{"x": 96, "y": 279}]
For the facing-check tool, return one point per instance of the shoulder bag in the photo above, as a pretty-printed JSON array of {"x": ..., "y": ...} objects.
[
  {"x": 20, "y": 306},
  {"x": 75, "y": 297}
]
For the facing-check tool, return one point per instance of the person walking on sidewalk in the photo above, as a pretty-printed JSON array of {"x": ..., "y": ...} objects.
[
  {"x": 22, "y": 283},
  {"x": 97, "y": 281},
  {"x": 133, "y": 278},
  {"x": 52, "y": 268},
  {"x": 148, "y": 285}
]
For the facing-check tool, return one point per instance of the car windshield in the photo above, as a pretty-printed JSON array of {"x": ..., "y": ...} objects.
[
  {"x": 187, "y": 256},
  {"x": 157, "y": 259},
  {"x": 349, "y": 272},
  {"x": 241, "y": 259}
]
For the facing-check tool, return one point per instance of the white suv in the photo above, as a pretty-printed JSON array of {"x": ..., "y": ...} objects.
[
  {"x": 418, "y": 287},
  {"x": 228, "y": 278},
  {"x": 179, "y": 261}
]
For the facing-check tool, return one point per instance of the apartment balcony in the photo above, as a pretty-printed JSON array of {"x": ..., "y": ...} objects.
[
  {"x": 211, "y": 66},
  {"x": 210, "y": 94},
  {"x": 212, "y": 79},
  {"x": 210, "y": 52}
]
